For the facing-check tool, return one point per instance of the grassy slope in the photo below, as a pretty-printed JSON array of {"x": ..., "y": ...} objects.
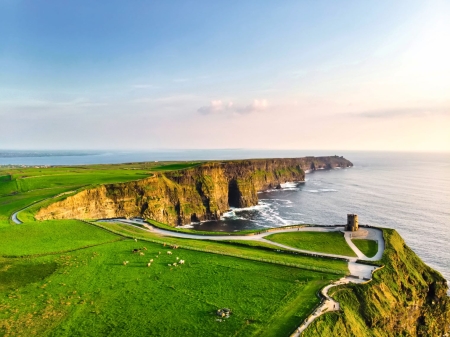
[
  {"x": 332, "y": 242},
  {"x": 405, "y": 298},
  {"x": 50, "y": 236},
  {"x": 368, "y": 247},
  {"x": 336, "y": 266},
  {"x": 88, "y": 292}
]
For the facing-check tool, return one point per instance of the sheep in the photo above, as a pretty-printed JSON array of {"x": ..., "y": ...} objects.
[
  {"x": 159, "y": 253},
  {"x": 174, "y": 264},
  {"x": 151, "y": 260},
  {"x": 181, "y": 262},
  {"x": 178, "y": 258},
  {"x": 135, "y": 240},
  {"x": 169, "y": 252},
  {"x": 145, "y": 248},
  {"x": 141, "y": 254},
  {"x": 149, "y": 264},
  {"x": 125, "y": 263},
  {"x": 169, "y": 265}
]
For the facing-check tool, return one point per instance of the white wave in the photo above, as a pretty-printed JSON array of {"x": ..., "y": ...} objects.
[
  {"x": 258, "y": 207},
  {"x": 231, "y": 215},
  {"x": 188, "y": 226},
  {"x": 288, "y": 184},
  {"x": 322, "y": 190}
]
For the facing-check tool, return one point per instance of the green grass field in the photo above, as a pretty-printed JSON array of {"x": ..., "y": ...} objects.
[
  {"x": 324, "y": 242},
  {"x": 221, "y": 247},
  {"x": 368, "y": 247},
  {"x": 50, "y": 237},
  {"x": 67, "y": 278},
  {"x": 89, "y": 292}
]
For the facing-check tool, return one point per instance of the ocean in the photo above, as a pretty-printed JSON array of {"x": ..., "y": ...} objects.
[{"x": 409, "y": 192}]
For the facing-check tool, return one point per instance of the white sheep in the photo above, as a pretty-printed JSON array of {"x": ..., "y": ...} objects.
[
  {"x": 169, "y": 252},
  {"x": 169, "y": 265},
  {"x": 174, "y": 264},
  {"x": 178, "y": 258},
  {"x": 135, "y": 240},
  {"x": 125, "y": 263},
  {"x": 141, "y": 254},
  {"x": 151, "y": 260},
  {"x": 181, "y": 262},
  {"x": 149, "y": 264}
]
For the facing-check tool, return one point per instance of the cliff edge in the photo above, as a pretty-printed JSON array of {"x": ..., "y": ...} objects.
[
  {"x": 405, "y": 298},
  {"x": 195, "y": 194}
]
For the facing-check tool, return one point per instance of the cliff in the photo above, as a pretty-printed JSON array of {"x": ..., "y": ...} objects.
[
  {"x": 180, "y": 197},
  {"x": 405, "y": 298}
]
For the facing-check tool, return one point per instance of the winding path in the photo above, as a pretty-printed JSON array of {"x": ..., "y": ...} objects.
[{"x": 359, "y": 272}]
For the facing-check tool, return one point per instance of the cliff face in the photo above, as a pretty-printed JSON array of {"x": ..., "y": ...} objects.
[
  {"x": 405, "y": 298},
  {"x": 180, "y": 197}
]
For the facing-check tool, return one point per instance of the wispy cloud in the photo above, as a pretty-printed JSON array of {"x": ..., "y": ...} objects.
[
  {"x": 404, "y": 112},
  {"x": 219, "y": 107}
]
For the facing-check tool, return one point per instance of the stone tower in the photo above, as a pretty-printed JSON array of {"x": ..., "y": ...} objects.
[{"x": 352, "y": 222}]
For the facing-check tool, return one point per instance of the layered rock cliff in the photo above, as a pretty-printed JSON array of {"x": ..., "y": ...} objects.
[
  {"x": 405, "y": 298},
  {"x": 195, "y": 194}
]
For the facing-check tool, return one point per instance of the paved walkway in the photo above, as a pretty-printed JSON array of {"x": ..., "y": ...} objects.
[
  {"x": 359, "y": 272},
  {"x": 256, "y": 237}
]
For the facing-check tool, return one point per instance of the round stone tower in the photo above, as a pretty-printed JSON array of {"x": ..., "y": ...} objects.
[{"x": 352, "y": 222}]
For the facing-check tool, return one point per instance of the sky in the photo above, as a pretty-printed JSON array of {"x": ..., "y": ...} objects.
[{"x": 143, "y": 75}]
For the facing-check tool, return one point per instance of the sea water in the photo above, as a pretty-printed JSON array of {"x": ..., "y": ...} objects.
[{"x": 406, "y": 191}]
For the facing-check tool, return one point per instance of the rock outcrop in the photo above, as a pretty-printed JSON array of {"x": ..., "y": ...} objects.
[{"x": 185, "y": 196}]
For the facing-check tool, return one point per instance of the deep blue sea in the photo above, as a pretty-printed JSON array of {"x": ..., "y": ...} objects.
[{"x": 406, "y": 191}]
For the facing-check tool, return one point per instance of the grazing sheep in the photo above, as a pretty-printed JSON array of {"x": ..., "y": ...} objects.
[
  {"x": 125, "y": 263},
  {"x": 169, "y": 265},
  {"x": 151, "y": 260},
  {"x": 135, "y": 240},
  {"x": 159, "y": 252},
  {"x": 149, "y": 264},
  {"x": 174, "y": 264},
  {"x": 181, "y": 262},
  {"x": 169, "y": 252},
  {"x": 141, "y": 254},
  {"x": 178, "y": 258}
]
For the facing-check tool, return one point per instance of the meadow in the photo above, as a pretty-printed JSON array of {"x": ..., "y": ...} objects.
[
  {"x": 368, "y": 247},
  {"x": 67, "y": 277},
  {"x": 324, "y": 242}
]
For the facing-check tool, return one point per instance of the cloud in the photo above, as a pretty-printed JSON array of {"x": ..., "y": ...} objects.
[
  {"x": 219, "y": 107},
  {"x": 405, "y": 112}
]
